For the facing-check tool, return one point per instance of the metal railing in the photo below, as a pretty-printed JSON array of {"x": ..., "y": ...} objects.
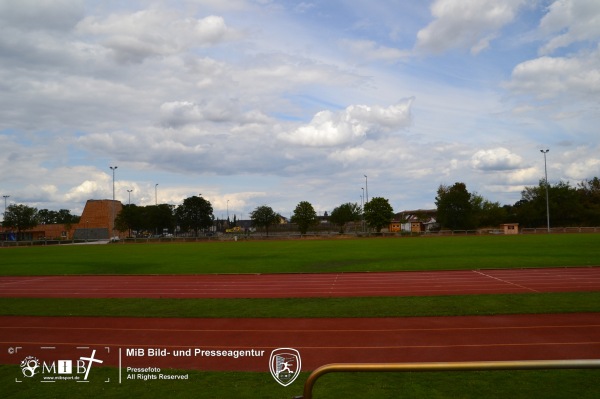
[{"x": 448, "y": 366}]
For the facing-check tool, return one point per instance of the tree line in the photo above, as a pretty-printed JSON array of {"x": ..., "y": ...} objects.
[
  {"x": 377, "y": 214},
  {"x": 22, "y": 217},
  {"x": 579, "y": 206},
  {"x": 457, "y": 209},
  {"x": 195, "y": 216}
]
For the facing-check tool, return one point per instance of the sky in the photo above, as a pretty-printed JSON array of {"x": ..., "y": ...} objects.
[{"x": 273, "y": 102}]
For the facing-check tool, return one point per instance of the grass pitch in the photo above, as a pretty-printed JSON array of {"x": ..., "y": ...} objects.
[{"x": 307, "y": 256}]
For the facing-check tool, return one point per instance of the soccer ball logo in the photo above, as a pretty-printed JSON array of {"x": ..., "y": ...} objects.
[{"x": 29, "y": 365}]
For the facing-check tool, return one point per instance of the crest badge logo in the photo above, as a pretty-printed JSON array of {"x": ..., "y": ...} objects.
[{"x": 285, "y": 365}]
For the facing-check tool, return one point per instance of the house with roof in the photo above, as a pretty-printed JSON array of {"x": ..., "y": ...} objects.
[{"x": 415, "y": 221}]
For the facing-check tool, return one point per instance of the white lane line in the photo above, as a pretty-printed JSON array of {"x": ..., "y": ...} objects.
[{"x": 505, "y": 281}]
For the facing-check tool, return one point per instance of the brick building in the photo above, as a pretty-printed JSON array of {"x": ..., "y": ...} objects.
[
  {"x": 97, "y": 223},
  {"x": 98, "y": 220}
]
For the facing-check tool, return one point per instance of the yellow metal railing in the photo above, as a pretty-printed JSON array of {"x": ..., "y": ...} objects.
[{"x": 450, "y": 366}]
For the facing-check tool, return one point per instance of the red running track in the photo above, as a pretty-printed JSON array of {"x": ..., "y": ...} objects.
[
  {"x": 319, "y": 341},
  {"x": 491, "y": 281}
]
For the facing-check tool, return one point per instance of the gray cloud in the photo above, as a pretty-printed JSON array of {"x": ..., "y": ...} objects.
[
  {"x": 147, "y": 33},
  {"x": 35, "y": 15}
]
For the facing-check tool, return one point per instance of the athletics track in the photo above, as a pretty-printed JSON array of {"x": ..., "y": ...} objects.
[
  {"x": 320, "y": 341},
  {"x": 485, "y": 281}
]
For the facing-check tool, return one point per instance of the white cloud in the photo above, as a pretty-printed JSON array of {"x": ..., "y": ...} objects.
[
  {"x": 348, "y": 156},
  {"x": 371, "y": 51},
  {"x": 281, "y": 71},
  {"x": 304, "y": 7},
  {"x": 470, "y": 24},
  {"x": 583, "y": 169},
  {"x": 573, "y": 20},
  {"x": 547, "y": 77},
  {"x": 229, "y": 5},
  {"x": 179, "y": 113},
  {"x": 527, "y": 176},
  {"x": 329, "y": 128},
  {"x": 86, "y": 190},
  {"x": 496, "y": 159},
  {"x": 153, "y": 32}
]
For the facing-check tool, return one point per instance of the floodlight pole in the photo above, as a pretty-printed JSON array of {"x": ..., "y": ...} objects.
[
  {"x": 113, "y": 215},
  {"x": 4, "y": 215},
  {"x": 362, "y": 209},
  {"x": 113, "y": 168},
  {"x": 547, "y": 197},
  {"x": 367, "y": 188},
  {"x": 156, "y": 194},
  {"x": 129, "y": 192}
]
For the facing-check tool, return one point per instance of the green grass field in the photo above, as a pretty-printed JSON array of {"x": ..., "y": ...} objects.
[
  {"x": 372, "y": 254},
  {"x": 307, "y": 256}
]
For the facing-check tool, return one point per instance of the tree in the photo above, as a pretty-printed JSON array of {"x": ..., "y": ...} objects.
[
  {"x": 589, "y": 192},
  {"x": 46, "y": 217},
  {"x": 345, "y": 213},
  {"x": 378, "y": 213},
  {"x": 565, "y": 205},
  {"x": 264, "y": 216},
  {"x": 304, "y": 216},
  {"x": 129, "y": 218},
  {"x": 63, "y": 216},
  {"x": 20, "y": 217},
  {"x": 487, "y": 213},
  {"x": 455, "y": 207},
  {"x": 195, "y": 213},
  {"x": 158, "y": 217}
]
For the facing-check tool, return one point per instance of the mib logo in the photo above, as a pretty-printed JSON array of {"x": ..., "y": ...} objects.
[
  {"x": 78, "y": 370},
  {"x": 285, "y": 365}
]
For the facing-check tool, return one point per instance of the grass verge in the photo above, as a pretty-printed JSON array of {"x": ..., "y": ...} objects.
[{"x": 455, "y": 305}]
